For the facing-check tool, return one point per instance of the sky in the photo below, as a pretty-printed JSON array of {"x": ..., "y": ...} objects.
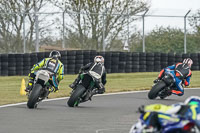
[
  {"x": 176, "y": 4},
  {"x": 170, "y": 8},
  {"x": 160, "y": 7}
]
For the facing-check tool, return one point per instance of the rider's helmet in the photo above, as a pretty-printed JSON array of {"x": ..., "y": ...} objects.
[
  {"x": 55, "y": 54},
  {"x": 188, "y": 61},
  {"x": 99, "y": 59},
  {"x": 192, "y": 100}
]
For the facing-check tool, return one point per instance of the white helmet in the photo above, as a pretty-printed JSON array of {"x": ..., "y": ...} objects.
[
  {"x": 99, "y": 59},
  {"x": 188, "y": 61}
]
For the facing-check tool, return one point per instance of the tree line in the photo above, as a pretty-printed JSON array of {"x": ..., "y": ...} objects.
[{"x": 95, "y": 24}]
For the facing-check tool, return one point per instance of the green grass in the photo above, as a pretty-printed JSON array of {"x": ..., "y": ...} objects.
[{"x": 10, "y": 86}]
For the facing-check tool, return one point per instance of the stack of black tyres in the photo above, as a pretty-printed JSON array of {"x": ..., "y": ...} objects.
[
  {"x": 64, "y": 60},
  {"x": 19, "y": 64},
  {"x": 135, "y": 62},
  {"x": 4, "y": 64},
  {"x": 199, "y": 59},
  {"x": 115, "y": 62},
  {"x": 150, "y": 62},
  {"x": 11, "y": 65},
  {"x": 26, "y": 64},
  {"x": 178, "y": 58},
  {"x": 93, "y": 53},
  {"x": 194, "y": 57},
  {"x": 40, "y": 56},
  {"x": 128, "y": 67},
  {"x": 164, "y": 60},
  {"x": 157, "y": 62},
  {"x": 34, "y": 59},
  {"x": 79, "y": 61},
  {"x": 71, "y": 59},
  {"x": 142, "y": 62},
  {"x": 86, "y": 57},
  {"x": 184, "y": 56},
  {"x": 107, "y": 62},
  {"x": 171, "y": 59},
  {"x": 46, "y": 54},
  {"x": 122, "y": 62}
]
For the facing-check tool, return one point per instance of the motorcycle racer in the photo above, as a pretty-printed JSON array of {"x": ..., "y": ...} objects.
[
  {"x": 157, "y": 117},
  {"x": 98, "y": 67},
  {"x": 52, "y": 64},
  {"x": 181, "y": 73}
]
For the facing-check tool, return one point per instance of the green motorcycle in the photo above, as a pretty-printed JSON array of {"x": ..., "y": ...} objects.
[{"x": 85, "y": 89}]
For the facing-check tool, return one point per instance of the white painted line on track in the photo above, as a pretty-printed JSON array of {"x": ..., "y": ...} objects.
[
  {"x": 62, "y": 98},
  {"x": 110, "y": 129}
]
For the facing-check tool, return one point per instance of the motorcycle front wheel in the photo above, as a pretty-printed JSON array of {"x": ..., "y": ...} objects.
[
  {"x": 153, "y": 93},
  {"x": 34, "y": 95},
  {"x": 74, "y": 99}
]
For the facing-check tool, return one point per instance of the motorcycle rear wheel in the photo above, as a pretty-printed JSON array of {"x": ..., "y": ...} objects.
[
  {"x": 153, "y": 93},
  {"x": 75, "y": 97},
  {"x": 33, "y": 97}
]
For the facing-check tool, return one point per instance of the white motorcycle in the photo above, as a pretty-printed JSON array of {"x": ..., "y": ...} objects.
[{"x": 41, "y": 88}]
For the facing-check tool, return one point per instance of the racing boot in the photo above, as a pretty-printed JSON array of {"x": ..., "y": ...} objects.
[
  {"x": 73, "y": 85},
  {"x": 30, "y": 85},
  {"x": 101, "y": 90},
  {"x": 156, "y": 81}
]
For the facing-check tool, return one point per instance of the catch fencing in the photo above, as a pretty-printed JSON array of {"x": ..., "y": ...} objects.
[
  {"x": 115, "y": 62},
  {"x": 58, "y": 29}
]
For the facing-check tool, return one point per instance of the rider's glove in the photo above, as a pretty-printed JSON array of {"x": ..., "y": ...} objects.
[
  {"x": 141, "y": 109},
  {"x": 80, "y": 71},
  {"x": 186, "y": 83}
]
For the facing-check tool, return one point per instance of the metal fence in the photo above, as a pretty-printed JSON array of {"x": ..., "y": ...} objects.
[{"x": 58, "y": 29}]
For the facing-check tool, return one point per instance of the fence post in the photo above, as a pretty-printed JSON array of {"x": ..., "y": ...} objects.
[
  {"x": 63, "y": 42},
  {"x": 24, "y": 34},
  {"x": 128, "y": 25},
  {"x": 143, "y": 36},
  {"x": 104, "y": 44},
  {"x": 103, "y": 32},
  {"x": 36, "y": 29},
  {"x": 185, "y": 30}
]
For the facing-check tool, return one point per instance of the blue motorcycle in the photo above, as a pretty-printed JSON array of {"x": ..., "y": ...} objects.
[
  {"x": 163, "y": 87},
  {"x": 164, "y": 123}
]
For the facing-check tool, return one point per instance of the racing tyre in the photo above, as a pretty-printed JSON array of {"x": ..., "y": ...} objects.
[
  {"x": 153, "y": 93},
  {"x": 34, "y": 95},
  {"x": 74, "y": 99}
]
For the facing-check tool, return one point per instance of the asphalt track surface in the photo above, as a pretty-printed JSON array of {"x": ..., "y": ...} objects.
[{"x": 114, "y": 113}]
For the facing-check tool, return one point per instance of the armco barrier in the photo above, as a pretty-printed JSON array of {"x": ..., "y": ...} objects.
[{"x": 115, "y": 62}]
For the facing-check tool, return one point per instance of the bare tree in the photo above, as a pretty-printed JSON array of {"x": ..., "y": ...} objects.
[
  {"x": 101, "y": 20},
  {"x": 12, "y": 15},
  {"x": 195, "y": 21}
]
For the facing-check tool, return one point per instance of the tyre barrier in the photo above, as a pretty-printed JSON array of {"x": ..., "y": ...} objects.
[{"x": 115, "y": 62}]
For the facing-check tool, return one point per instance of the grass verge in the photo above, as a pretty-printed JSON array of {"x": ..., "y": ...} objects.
[{"x": 10, "y": 85}]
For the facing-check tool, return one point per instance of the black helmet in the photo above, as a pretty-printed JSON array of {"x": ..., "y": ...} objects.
[{"x": 55, "y": 54}]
